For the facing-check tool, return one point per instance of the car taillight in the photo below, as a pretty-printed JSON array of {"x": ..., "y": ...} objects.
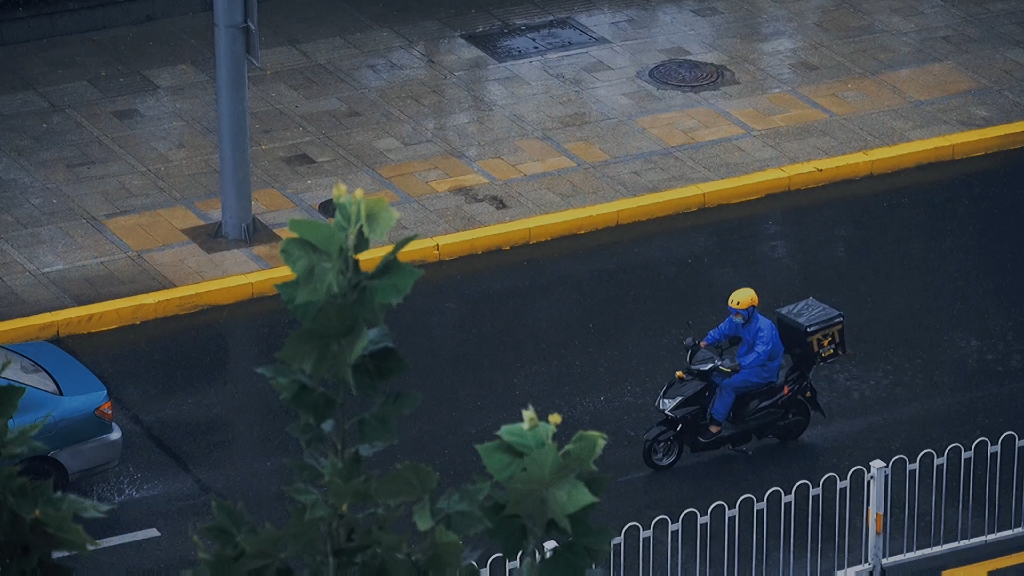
[{"x": 105, "y": 411}]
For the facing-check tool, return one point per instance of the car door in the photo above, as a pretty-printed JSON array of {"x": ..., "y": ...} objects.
[{"x": 36, "y": 407}]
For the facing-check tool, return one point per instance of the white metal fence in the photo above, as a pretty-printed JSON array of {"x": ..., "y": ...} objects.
[{"x": 882, "y": 514}]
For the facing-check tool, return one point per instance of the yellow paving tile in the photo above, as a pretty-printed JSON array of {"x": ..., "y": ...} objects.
[
  {"x": 131, "y": 234},
  {"x": 458, "y": 182},
  {"x": 451, "y": 166},
  {"x": 763, "y": 112},
  {"x": 548, "y": 165},
  {"x": 404, "y": 168},
  {"x": 671, "y": 135},
  {"x": 689, "y": 126},
  {"x": 180, "y": 217},
  {"x": 164, "y": 232},
  {"x": 853, "y": 95},
  {"x": 388, "y": 195},
  {"x": 412, "y": 185},
  {"x": 538, "y": 148},
  {"x": 272, "y": 200},
  {"x": 211, "y": 205},
  {"x": 755, "y": 119},
  {"x": 500, "y": 169},
  {"x": 932, "y": 81},
  {"x": 270, "y": 253},
  {"x": 708, "y": 117},
  {"x": 587, "y": 151}
]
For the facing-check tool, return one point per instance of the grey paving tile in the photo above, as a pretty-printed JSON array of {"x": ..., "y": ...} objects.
[
  {"x": 127, "y": 122},
  {"x": 25, "y": 295},
  {"x": 977, "y": 110},
  {"x": 61, "y": 245}
]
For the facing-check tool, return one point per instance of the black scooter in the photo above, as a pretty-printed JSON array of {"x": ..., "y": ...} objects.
[{"x": 811, "y": 333}]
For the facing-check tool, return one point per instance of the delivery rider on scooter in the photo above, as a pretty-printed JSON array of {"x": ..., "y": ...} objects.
[{"x": 759, "y": 356}]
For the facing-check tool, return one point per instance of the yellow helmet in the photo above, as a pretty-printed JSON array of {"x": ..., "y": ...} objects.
[{"x": 742, "y": 299}]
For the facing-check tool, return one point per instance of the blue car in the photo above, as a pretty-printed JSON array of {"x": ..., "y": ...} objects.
[{"x": 79, "y": 436}]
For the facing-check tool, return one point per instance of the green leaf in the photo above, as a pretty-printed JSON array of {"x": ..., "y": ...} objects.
[
  {"x": 542, "y": 467},
  {"x": 379, "y": 218},
  {"x": 422, "y": 516},
  {"x": 584, "y": 449},
  {"x": 392, "y": 280},
  {"x": 567, "y": 497},
  {"x": 461, "y": 509},
  {"x": 506, "y": 530},
  {"x": 409, "y": 482},
  {"x": 299, "y": 392},
  {"x": 446, "y": 552},
  {"x": 379, "y": 362},
  {"x": 500, "y": 459},
  {"x": 10, "y": 396},
  {"x": 310, "y": 501},
  {"x": 526, "y": 441},
  {"x": 320, "y": 234},
  {"x": 302, "y": 257},
  {"x": 596, "y": 539},
  {"x": 378, "y": 427}
]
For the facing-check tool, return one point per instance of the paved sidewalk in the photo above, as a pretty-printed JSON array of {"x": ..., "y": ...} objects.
[{"x": 108, "y": 150}]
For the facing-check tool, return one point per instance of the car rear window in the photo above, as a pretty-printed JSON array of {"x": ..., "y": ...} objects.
[{"x": 24, "y": 371}]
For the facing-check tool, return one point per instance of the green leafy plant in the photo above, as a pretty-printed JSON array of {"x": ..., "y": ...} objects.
[
  {"x": 35, "y": 521},
  {"x": 333, "y": 372}
]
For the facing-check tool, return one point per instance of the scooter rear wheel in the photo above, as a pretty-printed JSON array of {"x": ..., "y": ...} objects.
[
  {"x": 795, "y": 422},
  {"x": 663, "y": 454}
]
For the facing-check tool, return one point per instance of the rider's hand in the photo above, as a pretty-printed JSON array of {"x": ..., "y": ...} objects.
[{"x": 703, "y": 344}]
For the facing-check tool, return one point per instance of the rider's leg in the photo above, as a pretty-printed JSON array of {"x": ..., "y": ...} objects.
[{"x": 725, "y": 396}]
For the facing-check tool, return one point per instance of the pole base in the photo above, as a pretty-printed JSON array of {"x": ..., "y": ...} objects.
[
  {"x": 210, "y": 238},
  {"x": 218, "y": 233}
]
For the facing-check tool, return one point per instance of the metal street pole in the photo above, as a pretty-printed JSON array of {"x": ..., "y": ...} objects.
[{"x": 230, "y": 35}]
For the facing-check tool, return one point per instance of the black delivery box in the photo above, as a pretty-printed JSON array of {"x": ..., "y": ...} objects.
[{"x": 811, "y": 331}]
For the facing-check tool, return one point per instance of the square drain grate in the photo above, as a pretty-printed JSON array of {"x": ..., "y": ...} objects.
[{"x": 530, "y": 40}]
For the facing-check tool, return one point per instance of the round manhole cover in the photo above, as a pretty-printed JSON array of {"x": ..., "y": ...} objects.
[
  {"x": 685, "y": 73},
  {"x": 326, "y": 208}
]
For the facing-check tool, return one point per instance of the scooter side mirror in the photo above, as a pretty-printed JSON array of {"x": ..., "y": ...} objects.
[{"x": 688, "y": 343}]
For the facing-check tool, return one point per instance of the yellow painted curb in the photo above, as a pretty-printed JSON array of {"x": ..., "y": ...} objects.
[
  {"x": 743, "y": 188},
  {"x": 418, "y": 251},
  {"x": 986, "y": 140},
  {"x": 569, "y": 222},
  {"x": 232, "y": 289},
  {"x": 983, "y": 568},
  {"x": 828, "y": 170},
  {"x": 901, "y": 156},
  {"x": 649, "y": 206},
  {"x": 484, "y": 239},
  {"x": 39, "y": 327},
  {"x": 264, "y": 282}
]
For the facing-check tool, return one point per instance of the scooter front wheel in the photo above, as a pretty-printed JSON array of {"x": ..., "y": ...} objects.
[{"x": 662, "y": 454}]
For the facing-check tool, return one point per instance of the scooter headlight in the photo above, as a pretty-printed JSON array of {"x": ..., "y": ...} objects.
[{"x": 667, "y": 404}]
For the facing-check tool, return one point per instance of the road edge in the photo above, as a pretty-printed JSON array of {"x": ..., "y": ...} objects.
[{"x": 232, "y": 289}]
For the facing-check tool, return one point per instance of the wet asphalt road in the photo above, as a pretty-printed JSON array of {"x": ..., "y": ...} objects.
[{"x": 925, "y": 265}]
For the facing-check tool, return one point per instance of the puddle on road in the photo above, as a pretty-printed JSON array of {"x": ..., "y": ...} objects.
[{"x": 119, "y": 485}]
